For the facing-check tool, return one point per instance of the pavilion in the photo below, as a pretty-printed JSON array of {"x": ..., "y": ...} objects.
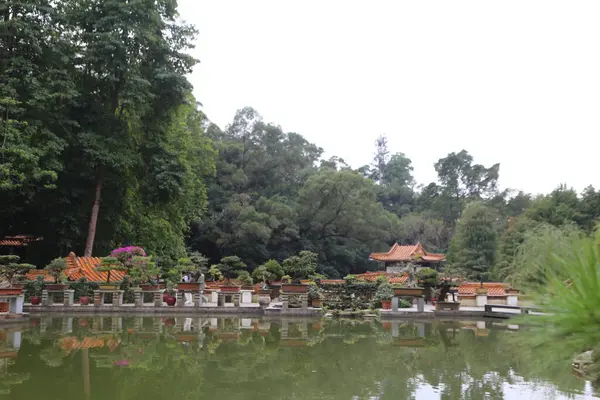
[{"x": 399, "y": 255}]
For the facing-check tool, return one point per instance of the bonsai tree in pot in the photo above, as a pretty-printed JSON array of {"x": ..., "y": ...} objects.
[
  {"x": 56, "y": 269},
  {"x": 215, "y": 273},
  {"x": 267, "y": 272},
  {"x": 13, "y": 271},
  {"x": 383, "y": 296},
  {"x": 444, "y": 286},
  {"x": 36, "y": 291},
  {"x": 144, "y": 272},
  {"x": 244, "y": 278},
  {"x": 121, "y": 259},
  {"x": 428, "y": 278},
  {"x": 315, "y": 295},
  {"x": 110, "y": 264},
  {"x": 229, "y": 267},
  {"x": 298, "y": 267}
]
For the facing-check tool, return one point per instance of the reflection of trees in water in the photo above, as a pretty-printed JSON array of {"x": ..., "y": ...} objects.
[{"x": 337, "y": 359}]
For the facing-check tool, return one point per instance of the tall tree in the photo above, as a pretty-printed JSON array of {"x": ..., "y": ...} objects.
[
  {"x": 473, "y": 247},
  {"x": 462, "y": 181},
  {"x": 36, "y": 87},
  {"x": 132, "y": 60}
]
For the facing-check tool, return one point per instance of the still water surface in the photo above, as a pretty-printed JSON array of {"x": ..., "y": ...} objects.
[{"x": 116, "y": 358}]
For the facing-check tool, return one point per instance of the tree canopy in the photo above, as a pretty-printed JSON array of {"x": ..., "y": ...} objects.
[{"x": 102, "y": 144}]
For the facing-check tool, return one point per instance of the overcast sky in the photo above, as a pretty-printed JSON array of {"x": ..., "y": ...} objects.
[{"x": 514, "y": 82}]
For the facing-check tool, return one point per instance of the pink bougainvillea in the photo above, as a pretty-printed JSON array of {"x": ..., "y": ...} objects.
[
  {"x": 130, "y": 251},
  {"x": 126, "y": 254}
]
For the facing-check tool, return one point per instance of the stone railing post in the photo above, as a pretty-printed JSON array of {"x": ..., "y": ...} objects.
[
  {"x": 180, "y": 298},
  {"x": 512, "y": 298},
  {"x": 158, "y": 299},
  {"x": 198, "y": 299},
  {"x": 117, "y": 296},
  {"x": 68, "y": 297},
  {"x": 481, "y": 297},
  {"x": 98, "y": 298},
  {"x": 139, "y": 298},
  {"x": 15, "y": 305},
  {"x": 46, "y": 301}
]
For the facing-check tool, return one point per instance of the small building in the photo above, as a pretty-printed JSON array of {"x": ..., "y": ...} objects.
[
  {"x": 398, "y": 256},
  {"x": 497, "y": 293}
]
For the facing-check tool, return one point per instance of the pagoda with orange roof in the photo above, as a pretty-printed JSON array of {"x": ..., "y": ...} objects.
[{"x": 398, "y": 256}]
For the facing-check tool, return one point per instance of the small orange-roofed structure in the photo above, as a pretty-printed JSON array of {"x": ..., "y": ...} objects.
[
  {"x": 396, "y": 258},
  {"x": 81, "y": 267},
  {"x": 497, "y": 293}
]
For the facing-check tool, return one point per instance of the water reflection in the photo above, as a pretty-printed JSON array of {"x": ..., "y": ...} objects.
[{"x": 247, "y": 358}]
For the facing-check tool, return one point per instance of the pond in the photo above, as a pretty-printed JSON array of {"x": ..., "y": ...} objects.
[{"x": 101, "y": 358}]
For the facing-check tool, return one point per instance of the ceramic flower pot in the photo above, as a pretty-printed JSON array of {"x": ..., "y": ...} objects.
[
  {"x": 294, "y": 288},
  {"x": 84, "y": 300},
  {"x": 386, "y": 304},
  {"x": 56, "y": 286},
  {"x": 171, "y": 301},
  {"x": 317, "y": 303},
  {"x": 35, "y": 300}
]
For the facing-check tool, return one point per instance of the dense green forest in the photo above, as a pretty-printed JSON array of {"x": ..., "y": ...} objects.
[{"x": 103, "y": 144}]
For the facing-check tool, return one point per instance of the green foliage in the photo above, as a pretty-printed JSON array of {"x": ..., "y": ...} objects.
[
  {"x": 269, "y": 271},
  {"x": 244, "y": 278},
  {"x": 300, "y": 266},
  {"x": 56, "y": 268},
  {"x": 34, "y": 288},
  {"x": 230, "y": 265},
  {"x": 11, "y": 269},
  {"x": 536, "y": 257},
  {"x": 315, "y": 293},
  {"x": 215, "y": 273},
  {"x": 384, "y": 292},
  {"x": 83, "y": 288},
  {"x": 109, "y": 264},
  {"x": 473, "y": 248},
  {"x": 143, "y": 270},
  {"x": 570, "y": 295},
  {"x": 427, "y": 276}
]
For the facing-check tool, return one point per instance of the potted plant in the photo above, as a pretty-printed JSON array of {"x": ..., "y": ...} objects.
[
  {"x": 229, "y": 268},
  {"x": 168, "y": 296},
  {"x": 13, "y": 271},
  {"x": 444, "y": 287},
  {"x": 144, "y": 273},
  {"x": 267, "y": 272},
  {"x": 83, "y": 288},
  {"x": 184, "y": 265},
  {"x": 299, "y": 267},
  {"x": 36, "y": 291},
  {"x": 315, "y": 295},
  {"x": 56, "y": 269},
  {"x": 245, "y": 280},
  {"x": 384, "y": 295},
  {"x": 108, "y": 265}
]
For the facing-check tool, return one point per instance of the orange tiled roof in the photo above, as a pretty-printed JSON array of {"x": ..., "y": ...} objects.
[
  {"x": 494, "y": 288},
  {"x": 407, "y": 253},
  {"x": 79, "y": 267},
  {"x": 18, "y": 240}
]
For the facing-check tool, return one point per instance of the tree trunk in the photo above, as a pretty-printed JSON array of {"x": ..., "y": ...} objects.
[{"x": 89, "y": 244}]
